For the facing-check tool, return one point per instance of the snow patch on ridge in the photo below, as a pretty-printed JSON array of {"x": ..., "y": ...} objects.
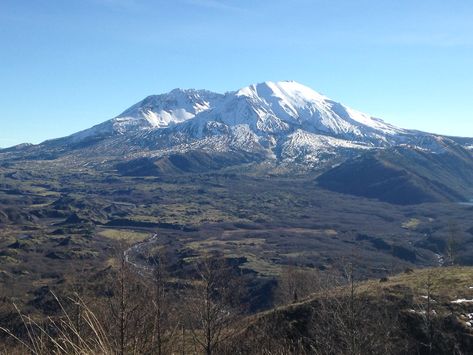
[
  {"x": 314, "y": 148},
  {"x": 462, "y": 300}
]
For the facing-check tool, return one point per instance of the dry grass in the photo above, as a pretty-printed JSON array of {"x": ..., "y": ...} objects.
[
  {"x": 449, "y": 282},
  {"x": 124, "y": 235},
  {"x": 412, "y": 223},
  {"x": 61, "y": 336}
]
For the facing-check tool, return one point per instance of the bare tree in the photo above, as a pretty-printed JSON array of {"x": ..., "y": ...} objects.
[
  {"x": 165, "y": 323},
  {"x": 350, "y": 319},
  {"x": 296, "y": 283},
  {"x": 425, "y": 313},
  {"x": 129, "y": 303},
  {"x": 451, "y": 247},
  {"x": 212, "y": 304}
]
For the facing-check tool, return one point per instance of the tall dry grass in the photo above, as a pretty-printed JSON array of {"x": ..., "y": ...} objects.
[{"x": 61, "y": 335}]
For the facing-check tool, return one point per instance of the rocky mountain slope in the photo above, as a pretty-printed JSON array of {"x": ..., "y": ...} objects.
[{"x": 405, "y": 175}]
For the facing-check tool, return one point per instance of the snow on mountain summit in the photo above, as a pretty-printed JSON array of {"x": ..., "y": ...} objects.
[
  {"x": 297, "y": 103},
  {"x": 292, "y": 91},
  {"x": 175, "y": 107},
  {"x": 284, "y": 120},
  {"x": 155, "y": 112}
]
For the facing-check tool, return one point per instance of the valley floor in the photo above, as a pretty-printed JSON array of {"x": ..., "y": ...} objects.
[{"x": 60, "y": 227}]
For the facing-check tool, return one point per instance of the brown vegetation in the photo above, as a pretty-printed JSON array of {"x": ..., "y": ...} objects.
[{"x": 129, "y": 310}]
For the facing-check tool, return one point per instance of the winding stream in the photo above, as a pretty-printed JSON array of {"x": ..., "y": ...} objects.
[{"x": 133, "y": 255}]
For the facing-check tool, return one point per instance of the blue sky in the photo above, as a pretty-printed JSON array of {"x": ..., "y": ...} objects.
[{"x": 66, "y": 65}]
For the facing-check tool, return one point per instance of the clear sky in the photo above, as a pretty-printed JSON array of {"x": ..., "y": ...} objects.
[{"x": 66, "y": 65}]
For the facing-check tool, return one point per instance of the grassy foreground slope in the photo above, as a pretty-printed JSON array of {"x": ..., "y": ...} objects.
[{"x": 427, "y": 311}]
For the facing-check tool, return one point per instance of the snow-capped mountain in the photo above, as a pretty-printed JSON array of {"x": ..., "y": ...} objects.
[
  {"x": 285, "y": 122},
  {"x": 267, "y": 108}
]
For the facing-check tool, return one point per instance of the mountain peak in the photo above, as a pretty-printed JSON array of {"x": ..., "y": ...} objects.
[
  {"x": 296, "y": 104},
  {"x": 283, "y": 90},
  {"x": 179, "y": 105}
]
